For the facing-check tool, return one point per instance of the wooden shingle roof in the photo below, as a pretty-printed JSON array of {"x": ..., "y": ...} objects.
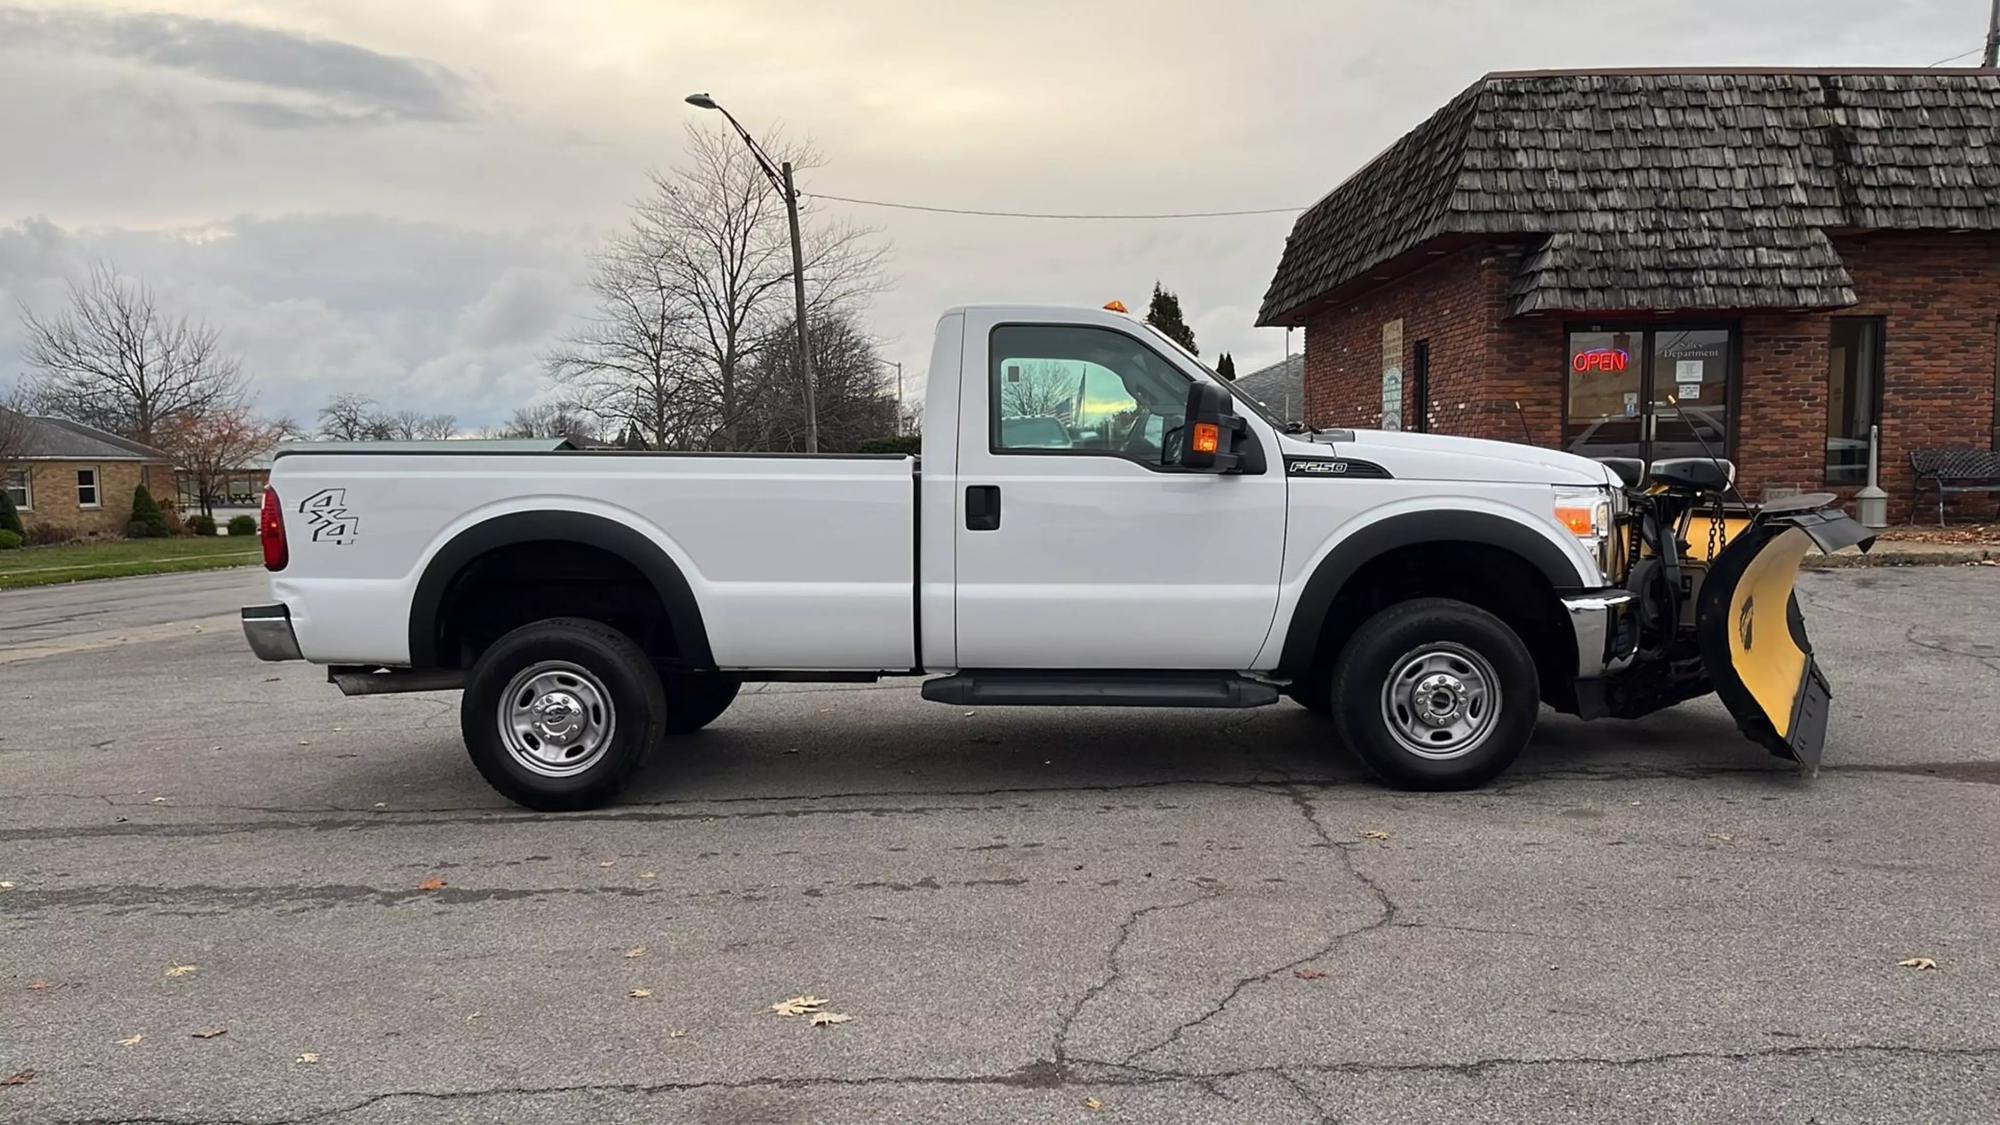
[{"x": 1661, "y": 190}]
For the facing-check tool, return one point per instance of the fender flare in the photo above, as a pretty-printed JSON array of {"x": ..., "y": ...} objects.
[
  {"x": 555, "y": 526},
  {"x": 1377, "y": 539}
]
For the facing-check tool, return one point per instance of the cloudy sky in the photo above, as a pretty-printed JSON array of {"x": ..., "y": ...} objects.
[{"x": 397, "y": 196}]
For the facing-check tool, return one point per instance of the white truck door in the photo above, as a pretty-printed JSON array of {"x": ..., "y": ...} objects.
[{"x": 1079, "y": 543}]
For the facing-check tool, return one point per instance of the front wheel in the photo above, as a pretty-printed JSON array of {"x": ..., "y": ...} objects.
[
  {"x": 1436, "y": 694},
  {"x": 558, "y": 714}
]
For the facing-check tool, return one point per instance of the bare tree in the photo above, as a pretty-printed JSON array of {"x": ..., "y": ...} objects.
[
  {"x": 1039, "y": 388},
  {"x": 688, "y": 294},
  {"x": 630, "y": 363},
  {"x": 13, "y": 424},
  {"x": 410, "y": 425},
  {"x": 113, "y": 360},
  {"x": 855, "y": 399},
  {"x": 546, "y": 420},
  {"x": 210, "y": 447},
  {"x": 349, "y": 416}
]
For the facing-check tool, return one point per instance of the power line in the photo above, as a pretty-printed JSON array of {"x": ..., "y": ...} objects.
[
  {"x": 1049, "y": 215},
  {"x": 1956, "y": 57}
]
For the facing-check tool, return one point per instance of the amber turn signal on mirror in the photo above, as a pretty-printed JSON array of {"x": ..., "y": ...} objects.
[{"x": 1207, "y": 437}]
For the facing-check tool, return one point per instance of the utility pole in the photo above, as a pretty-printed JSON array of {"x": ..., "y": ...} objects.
[
  {"x": 1993, "y": 37},
  {"x": 781, "y": 178},
  {"x": 899, "y": 397},
  {"x": 799, "y": 306}
]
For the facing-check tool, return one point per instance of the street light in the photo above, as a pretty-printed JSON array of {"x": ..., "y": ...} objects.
[{"x": 780, "y": 176}]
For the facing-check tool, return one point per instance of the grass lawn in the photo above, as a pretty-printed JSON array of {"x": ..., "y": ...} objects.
[{"x": 42, "y": 566}]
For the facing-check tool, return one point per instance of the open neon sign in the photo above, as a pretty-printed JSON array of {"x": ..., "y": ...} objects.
[{"x": 1600, "y": 359}]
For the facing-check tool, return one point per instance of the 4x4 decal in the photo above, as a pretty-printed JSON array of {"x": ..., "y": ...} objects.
[{"x": 331, "y": 521}]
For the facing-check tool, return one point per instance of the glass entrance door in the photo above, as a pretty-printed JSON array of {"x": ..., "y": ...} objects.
[{"x": 1651, "y": 393}]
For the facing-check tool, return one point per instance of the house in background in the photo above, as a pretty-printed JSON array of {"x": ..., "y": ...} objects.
[
  {"x": 77, "y": 477},
  {"x": 1281, "y": 387},
  {"x": 1761, "y": 263}
]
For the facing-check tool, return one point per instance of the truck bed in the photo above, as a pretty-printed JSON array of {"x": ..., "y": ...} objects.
[{"x": 803, "y": 562}]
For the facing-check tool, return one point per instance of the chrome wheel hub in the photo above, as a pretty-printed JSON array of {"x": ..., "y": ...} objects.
[
  {"x": 1441, "y": 700},
  {"x": 556, "y": 718}
]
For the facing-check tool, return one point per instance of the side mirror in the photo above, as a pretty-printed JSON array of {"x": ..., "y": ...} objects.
[{"x": 1210, "y": 439}]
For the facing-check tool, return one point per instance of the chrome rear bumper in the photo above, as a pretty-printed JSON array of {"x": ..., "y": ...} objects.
[{"x": 268, "y": 628}]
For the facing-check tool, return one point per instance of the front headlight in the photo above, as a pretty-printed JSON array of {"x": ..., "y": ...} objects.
[{"x": 1587, "y": 513}]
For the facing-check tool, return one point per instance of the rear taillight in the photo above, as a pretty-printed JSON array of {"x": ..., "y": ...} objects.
[{"x": 271, "y": 529}]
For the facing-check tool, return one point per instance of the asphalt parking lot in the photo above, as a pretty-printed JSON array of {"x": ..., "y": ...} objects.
[{"x": 238, "y": 897}]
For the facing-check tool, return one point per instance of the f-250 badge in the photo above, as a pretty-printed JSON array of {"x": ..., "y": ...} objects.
[{"x": 331, "y": 521}]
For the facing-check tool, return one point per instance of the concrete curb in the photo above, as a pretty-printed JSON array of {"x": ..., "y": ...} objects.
[{"x": 1907, "y": 554}]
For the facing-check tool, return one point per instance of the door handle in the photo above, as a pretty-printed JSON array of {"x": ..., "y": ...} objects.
[{"x": 982, "y": 507}]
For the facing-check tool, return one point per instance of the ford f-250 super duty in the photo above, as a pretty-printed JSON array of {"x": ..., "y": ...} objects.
[{"x": 1093, "y": 521}]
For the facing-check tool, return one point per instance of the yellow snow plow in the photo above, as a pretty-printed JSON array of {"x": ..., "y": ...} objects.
[{"x": 1714, "y": 602}]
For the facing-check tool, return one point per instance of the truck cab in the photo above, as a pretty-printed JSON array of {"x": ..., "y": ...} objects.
[{"x": 1095, "y": 520}]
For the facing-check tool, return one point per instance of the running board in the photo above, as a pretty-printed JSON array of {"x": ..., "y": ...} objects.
[{"x": 1100, "y": 689}]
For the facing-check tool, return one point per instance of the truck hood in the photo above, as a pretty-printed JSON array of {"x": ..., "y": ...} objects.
[{"x": 1409, "y": 456}]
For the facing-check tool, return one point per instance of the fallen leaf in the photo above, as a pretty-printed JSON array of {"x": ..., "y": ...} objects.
[
  {"x": 608, "y": 863},
  {"x": 1308, "y": 974},
  {"x": 381, "y": 804},
  {"x": 641, "y": 993},
  {"x": 132, "y": 1042},
  {"x": 636, "y": 951},
  {"x": 1374, "y": 834},
  {"x": 1918, "y": 963},
  {"x": 649, "y": 874},
  {"x": 677, "y": 1033},
  {"x": 183, "y": 970},
  {"x": 209, "y": 1033},
  {"x": 798, "y": 1005},
  {"x": 431, "y": 884},
  {"x": 20, "y": 1078},
  {"x": 1092, "y": 1103},
  {"x": 307, "y": 1058},
  {"x": 159, "y": 800},
  {"x": 472, "y": 1017},
  {"x": 37, "y": 985},
  {"x": 6, "y": 885},
  {"x": 1722, "y": 837},
  {"x": 821, "y": 1019}
]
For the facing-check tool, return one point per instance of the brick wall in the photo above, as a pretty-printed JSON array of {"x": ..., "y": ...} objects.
[
  {"x": 1939, "y": 295},
  {"x": 55, "y": 495}
]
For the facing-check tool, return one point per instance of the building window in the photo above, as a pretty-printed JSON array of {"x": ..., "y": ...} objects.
[
  {"x": 1651, "y": 393},
  {"x": 86, "y": 489},
  {"x": 21, "y": 488},
  {"x": 1853, "y": 395}
]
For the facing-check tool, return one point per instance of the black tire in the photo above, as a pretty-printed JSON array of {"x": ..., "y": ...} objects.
[
  {"x": 540, "y": 664},
  {"x": 1454, "y": 646},
  {"x": 696, "y": 699}
]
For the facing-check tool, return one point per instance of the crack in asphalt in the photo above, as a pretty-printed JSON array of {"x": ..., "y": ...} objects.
[
  {"x": 1090, "y": 1073},
  {"x": 1341, "y": 849},
  {"x": 1113, "y": 971}
]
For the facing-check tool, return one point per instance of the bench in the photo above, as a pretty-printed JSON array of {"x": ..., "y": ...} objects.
[{"x": 1953, "y": 470}]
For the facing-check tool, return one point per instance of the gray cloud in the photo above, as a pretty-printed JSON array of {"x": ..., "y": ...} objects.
[{"x": 352, "y": 83}]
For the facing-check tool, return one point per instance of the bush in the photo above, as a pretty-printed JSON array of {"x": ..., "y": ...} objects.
[
  {"x": 49, "y": 534},
  {"x": 244, "y": 525},
  {"x": 10, "y": 516},
  {"x": 902, "y": 443},
  {"x": 148, "y": 521},
  {"x": 9, "y": 540},
  {"x": 202, "y": 525}
]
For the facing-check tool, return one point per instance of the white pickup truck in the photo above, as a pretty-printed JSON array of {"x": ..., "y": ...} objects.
[{"x": 1095, "y": 520}]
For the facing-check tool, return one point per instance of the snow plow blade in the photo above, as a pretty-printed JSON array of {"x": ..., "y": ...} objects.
[{"x": 1750, "y": 631}]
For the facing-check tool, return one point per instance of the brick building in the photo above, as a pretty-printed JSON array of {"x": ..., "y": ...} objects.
[
  {"x": 1637, "y": 263},
  {"x": 75, "y": 478}
]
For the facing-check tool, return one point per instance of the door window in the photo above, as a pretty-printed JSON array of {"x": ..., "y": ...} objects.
[
  {"x": 1093, "y": 391},
  {"x": 1690, "y": 400},
  {"x": 1853, "y": 396},
  {"x": 1651, "y": 393},
  {"x": 1606, "y": 381}
]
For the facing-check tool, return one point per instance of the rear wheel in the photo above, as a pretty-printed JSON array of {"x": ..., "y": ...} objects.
[
  {"x": 1435, "y": 694},
  {"x": 696, "y": 699},
  {"x": 558, "y": 714}
]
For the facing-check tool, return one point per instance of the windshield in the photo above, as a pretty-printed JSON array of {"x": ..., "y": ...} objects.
[{"x": 1256, "y": 407}]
